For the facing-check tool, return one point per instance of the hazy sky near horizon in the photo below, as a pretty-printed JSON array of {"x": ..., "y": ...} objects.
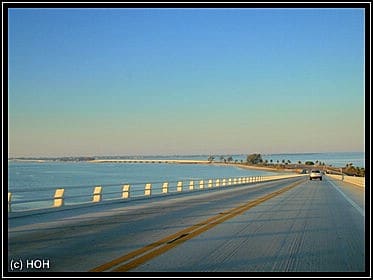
[{"x": 185, "y": 81}]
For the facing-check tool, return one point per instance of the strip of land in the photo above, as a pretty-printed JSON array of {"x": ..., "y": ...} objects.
[
  {"x": 178, "y": 161},
  {"x": 189, "y": 161}
]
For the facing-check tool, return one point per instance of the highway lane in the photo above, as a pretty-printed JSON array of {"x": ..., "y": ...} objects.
[
  {"x": 309, "y": 227},
  {"x": 351, "y": 191}
]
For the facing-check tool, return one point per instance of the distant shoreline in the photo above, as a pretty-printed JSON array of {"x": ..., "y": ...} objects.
[
  {"x": 187, "y": 161},
  {"x": 164, "y": 161},
  {"x": 28, "y": 160},
  {"x": 176, "y": 161},
  {"x": 284, "y": 167}
]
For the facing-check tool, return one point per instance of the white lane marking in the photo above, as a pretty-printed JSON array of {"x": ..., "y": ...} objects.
[{"x": 357, "y": 207}]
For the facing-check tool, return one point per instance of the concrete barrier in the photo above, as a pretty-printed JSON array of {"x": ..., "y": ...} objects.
[
  {"x": 9, "y": 202},
  {"x": 165, "y": 187},
  {"x": 191, "y": 185},
  {"x": 209, "y": 183},
  {"x": 97, "y": 194},
  {"x": 126, "y": 191},
  {"x": 358, "y": 181},
  {"x": 58, "y": 198},
  {"x": 179, "y": 186},
  {"x": 148, "y": 189}
]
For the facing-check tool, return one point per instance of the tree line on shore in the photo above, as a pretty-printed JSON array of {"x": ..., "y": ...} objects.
[{"x": 257, "y": 160}]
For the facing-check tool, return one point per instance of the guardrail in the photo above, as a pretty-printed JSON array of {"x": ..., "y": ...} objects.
[{"x": 127, "y": 192}]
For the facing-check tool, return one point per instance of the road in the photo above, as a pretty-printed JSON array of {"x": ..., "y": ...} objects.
[{"x": 291, "y": 225}]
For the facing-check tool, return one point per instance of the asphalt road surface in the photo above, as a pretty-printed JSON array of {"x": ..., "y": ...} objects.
[{"x": 292, "y": 225}]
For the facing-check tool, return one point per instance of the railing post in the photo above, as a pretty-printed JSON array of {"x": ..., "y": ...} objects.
[
  {"x": 224, "y": 182},
  {"x": 126, "y": 191},
  {"x": 58, "y": 198},
  {"x": 229, "y": 181},
  {"x": 148, "y": 189},
  {"x": 165, "y": 187},
  {"x": 209, "y": 183},
  {"x": 201, "y": 184},
  {"x": 191, "y": 185},
  {"x": 179, "y": 186},
  {"x": 235, "y": 181},
  {"x": 9, "y": 202},
  {"x": 217, "y": 183},
  {"x": 97, "y": 194}
]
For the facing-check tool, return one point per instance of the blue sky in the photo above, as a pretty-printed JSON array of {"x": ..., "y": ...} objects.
[{"x": 185, "y": 81}]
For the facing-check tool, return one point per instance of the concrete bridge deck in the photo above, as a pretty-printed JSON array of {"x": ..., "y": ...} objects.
[{"x": 290, "y": 225}]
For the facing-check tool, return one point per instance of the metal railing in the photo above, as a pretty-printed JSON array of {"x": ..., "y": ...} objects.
[{"x": 63, "y": 196}]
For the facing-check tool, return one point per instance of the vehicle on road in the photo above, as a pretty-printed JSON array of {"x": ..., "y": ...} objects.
[{"x": 315, "y": 174}]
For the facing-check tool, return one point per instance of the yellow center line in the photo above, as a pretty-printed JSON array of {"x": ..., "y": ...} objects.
[
  {"x": 144, "y": 254},
  {"x": 149, "y": 247}
]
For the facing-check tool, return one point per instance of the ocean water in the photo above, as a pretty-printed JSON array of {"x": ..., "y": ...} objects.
[
  {"x": 28, "y": 181},
  {"x": 39, "y": 180}
]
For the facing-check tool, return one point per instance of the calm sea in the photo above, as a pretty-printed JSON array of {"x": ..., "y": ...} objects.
[{"x": 39, "y": 180}]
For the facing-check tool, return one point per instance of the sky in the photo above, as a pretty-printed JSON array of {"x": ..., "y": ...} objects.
[{"x": 86, "y": 82}]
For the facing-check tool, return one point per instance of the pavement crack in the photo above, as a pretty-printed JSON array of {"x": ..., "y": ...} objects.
[{"x": 177, "y": 238}]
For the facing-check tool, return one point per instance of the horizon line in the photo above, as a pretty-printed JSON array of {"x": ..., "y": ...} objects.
[{"x": 181, "y": 155}]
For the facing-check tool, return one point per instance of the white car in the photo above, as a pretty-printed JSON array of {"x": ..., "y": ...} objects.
[{"x": 315, "y": 174}]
